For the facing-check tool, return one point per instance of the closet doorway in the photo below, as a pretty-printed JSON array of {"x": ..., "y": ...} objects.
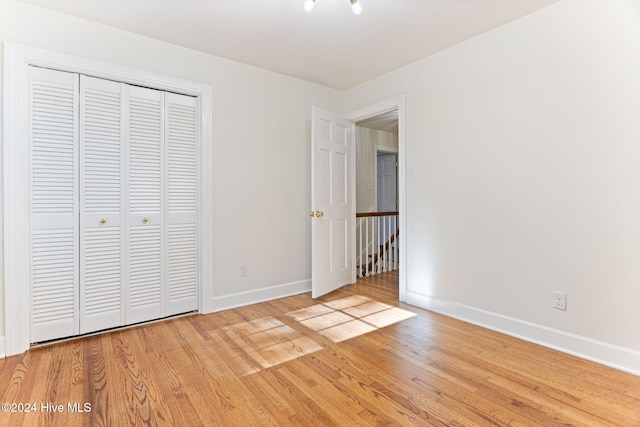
[
  {"x": 112, "y": 226},
  {"x": 113, "y": 204}
]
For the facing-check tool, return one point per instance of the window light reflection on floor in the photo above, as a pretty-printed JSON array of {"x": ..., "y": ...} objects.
[
  {"x": 270, "y": 342},
  {"x": 349, "y": 317}
]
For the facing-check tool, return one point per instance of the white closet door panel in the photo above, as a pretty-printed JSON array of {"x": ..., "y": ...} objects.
[
  {"x": 146, "y": 122},
  {"x": 54, "y": 204},
  {"x": 146, "y": 297},
  {"x": 181, "y": 218},
  {"x": 102, "y": 246},
  {"x": 182, "y": 268},
  {"x": 102, "y": 146},
  {"x": 182, "y": 138},
  {"x": 102, "y": 279},
  {"x": 146, "y": 287},
  {"x": 54, "y": 284}
]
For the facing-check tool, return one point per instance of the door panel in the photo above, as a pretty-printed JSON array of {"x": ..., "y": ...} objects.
[
  {"x": 339, "y": 179},
  {"x": 102, "y": 166},
  {"x": 54, "y": 204},
  {"x": 145, "y": 291},
  {"x": 181, "y": 218},
  {"x": 332, "y": 202},
  {"x": 339, "y": 250},
  {"x": 145, "y": 131},
  {"x": 101, "y": 278}
]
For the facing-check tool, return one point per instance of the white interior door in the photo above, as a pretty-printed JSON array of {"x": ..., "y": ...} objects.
[
  {"x": 332, "y": 195},
  {"x": 387, "y": 182}
]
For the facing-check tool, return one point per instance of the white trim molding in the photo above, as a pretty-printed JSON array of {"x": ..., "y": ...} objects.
[
  {"x": 614, "y": 356},
  {"x": 17, "y": 59},
  {"x": 240, "y": 299}
]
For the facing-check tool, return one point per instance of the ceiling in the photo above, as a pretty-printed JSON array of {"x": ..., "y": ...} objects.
[
  {"x": 329, "y": 46},
  {"x": 387, "y": 122}
]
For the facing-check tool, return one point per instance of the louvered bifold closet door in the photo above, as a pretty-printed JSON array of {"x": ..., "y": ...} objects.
[
  {"x": 181, "y": 218},
  {"x": 146, "y": 286},
  {"x": 102, "y": 254},
  {"x": 54, "y": 204}
]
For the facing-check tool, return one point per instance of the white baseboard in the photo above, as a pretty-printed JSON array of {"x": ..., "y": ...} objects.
[
  {"x": 240, "y": 299},
  {"x": 3, "y": 349},
  {"x": 614, "y": 356}
]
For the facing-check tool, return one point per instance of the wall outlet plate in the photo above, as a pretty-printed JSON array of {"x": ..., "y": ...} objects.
[{"x": 560, "y": 300}]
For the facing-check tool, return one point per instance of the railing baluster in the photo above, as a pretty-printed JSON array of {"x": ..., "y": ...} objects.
[
  {"x": 366, "y": 248},
  {"x": 381, "y": 244},
  {"x": 395, "y": 242},
  {"x": 390, "y": 246},
  {"x": 383, "y": 239},
  {"x": 360, "y": 274},
  {"x": 387, "y": 238},
  {"x": 374, "y": 246},
  {"x": 371, "y": 246},
  {"x": 387, "y": 246},
  {"x": 378, "y": 264}
]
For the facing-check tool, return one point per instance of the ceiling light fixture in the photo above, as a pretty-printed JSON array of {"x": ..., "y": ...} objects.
[
  {"x": 308, "y": 5},
  {"x": 356, "y": 6}
]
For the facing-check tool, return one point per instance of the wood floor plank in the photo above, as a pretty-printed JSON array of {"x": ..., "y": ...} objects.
[{"x": 355, "y": 357}]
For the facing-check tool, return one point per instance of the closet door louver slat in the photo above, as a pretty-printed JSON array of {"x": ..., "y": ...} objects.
[{"x": 54, "y": 204}]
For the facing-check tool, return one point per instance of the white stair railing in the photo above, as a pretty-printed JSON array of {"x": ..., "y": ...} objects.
[{"x": 376, "y": 243}]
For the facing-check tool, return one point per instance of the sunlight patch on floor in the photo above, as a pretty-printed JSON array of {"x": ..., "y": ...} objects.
[
  {"x": 269, "y": 342},
  {"x": 349, "y": 317}
]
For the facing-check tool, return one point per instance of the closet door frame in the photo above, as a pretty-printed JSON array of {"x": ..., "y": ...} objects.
[{"x": 17, "y": 180}]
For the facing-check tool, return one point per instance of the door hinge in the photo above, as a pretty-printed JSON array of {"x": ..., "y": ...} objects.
[{"x": 396, "y": 164}]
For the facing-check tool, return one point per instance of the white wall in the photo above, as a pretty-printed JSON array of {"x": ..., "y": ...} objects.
[
  {"x": 524, "y": 144},
  {"x": 366, "y": 142},
  {"x": 261, "y": 134}
]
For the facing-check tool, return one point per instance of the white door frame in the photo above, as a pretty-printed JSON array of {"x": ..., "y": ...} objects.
[
  {"x": 16, "y": 219},
  {"x": 396, "y": 103}
]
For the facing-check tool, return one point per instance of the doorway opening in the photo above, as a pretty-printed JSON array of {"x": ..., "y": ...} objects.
[
  {"x": 377, "y": 197},
  {"x": 336, "y": 258}
]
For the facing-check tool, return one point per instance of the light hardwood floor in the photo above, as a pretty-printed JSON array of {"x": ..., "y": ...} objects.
[{"x": 353, "y": 358}]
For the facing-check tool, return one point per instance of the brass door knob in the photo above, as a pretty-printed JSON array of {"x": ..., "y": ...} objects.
[
  {"x": 103, "y": 221},
  {"x": 312, "y": 214},
  {"x": 145, "y": 220},
  {"x": 319, "y": 214}
]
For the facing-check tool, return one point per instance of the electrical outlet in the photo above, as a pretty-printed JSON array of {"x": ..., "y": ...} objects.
[
  {"x": 560, "y": 300},
  {"x": 244, "y": 270}
]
